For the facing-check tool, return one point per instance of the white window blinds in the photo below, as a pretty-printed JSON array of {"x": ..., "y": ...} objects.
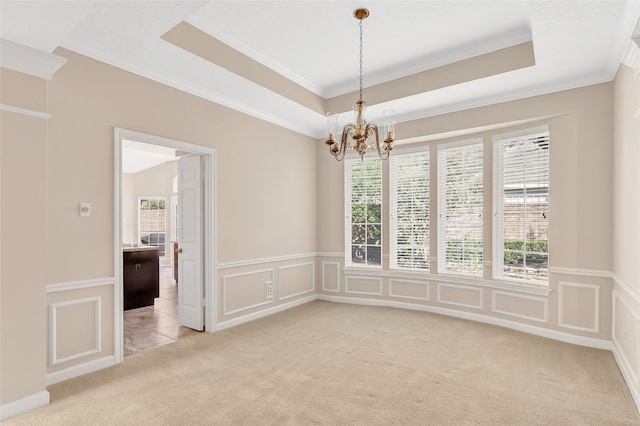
[
  {"x": 409, "y": 208},
  {"x": 521, "y": 207},
  {"x": 363, "y": 233},
  {"x": 460, "y": 208}
]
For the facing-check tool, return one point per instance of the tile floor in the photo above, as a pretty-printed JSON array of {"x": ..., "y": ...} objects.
[{"x": 156, "y": 325}]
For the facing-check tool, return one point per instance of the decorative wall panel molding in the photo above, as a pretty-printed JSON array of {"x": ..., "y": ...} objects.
[
  {"x": 296, "y": 280},
  {"x": 412, "y": 290},
  {"x": 56, "y": 310},
  {"x": 363, "y": 285},
  {"x": 583, "y": 296},
  {"x": 505, "y": 308},
  {"x": 451, "y": 294},
  {"x": 250, "y": 287},
  {"x": 331, "y": 276}
]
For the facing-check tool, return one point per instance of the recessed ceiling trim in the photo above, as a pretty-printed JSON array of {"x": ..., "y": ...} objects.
[
  {"x": 627, "y": 24},
  {"x": 478, "y": 48},
  {"x": 29, "y": 61},
  {"x": 314, "y": 130},
  {"x": 197, "y": 22}
]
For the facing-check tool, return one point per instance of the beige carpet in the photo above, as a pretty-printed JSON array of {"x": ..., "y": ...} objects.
[{"x": 326, "y": 363}]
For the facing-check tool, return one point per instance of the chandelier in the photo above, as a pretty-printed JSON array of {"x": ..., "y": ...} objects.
[{"x": 360, "y": 135}]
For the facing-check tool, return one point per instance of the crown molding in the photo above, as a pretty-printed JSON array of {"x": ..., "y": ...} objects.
[
  {"x": 631, "y": 57},
  {"x": 28, "y": 60}
]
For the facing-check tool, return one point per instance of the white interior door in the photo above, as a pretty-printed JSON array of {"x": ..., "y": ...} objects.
[{"x": 190, "y": 256}]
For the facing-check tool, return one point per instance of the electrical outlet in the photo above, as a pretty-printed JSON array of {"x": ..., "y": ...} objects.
[{"x": 269, "y": 288}]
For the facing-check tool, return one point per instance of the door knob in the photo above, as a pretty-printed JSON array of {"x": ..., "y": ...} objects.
[{"x": 179, "y": 250}]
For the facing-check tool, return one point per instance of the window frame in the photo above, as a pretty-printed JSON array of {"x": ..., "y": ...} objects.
[
  {"x": 497, "y": 143},
  {"x": 161, "y": 248},
  {"x": 393, "y": 211},
  {"x": 442, "y": 207},
  {"x": 348, "y": 228}
]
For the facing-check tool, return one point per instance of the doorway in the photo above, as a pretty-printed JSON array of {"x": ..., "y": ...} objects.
[{"x": 195, "y": 296}]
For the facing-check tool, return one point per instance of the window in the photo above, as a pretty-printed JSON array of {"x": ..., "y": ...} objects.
[
  {"x": 152, "y": 222},
  {"x": 363, "y": 232},
  {"x": 409, "y": 206},
  {"x": 521, "y": 204},
  {"x": 460, "y": 204}
]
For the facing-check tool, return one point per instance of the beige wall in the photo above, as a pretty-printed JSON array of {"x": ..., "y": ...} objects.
[
  {"x": 24, "y": 245},
  {"x": 626, "y": 229},
  {"x": 265, "y": 196}
]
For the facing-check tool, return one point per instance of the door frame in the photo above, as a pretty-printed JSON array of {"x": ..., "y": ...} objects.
[{"x": 209, "y": 202}]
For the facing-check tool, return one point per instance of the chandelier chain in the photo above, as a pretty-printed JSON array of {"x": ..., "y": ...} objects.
[{"x": 361, "y": 59}]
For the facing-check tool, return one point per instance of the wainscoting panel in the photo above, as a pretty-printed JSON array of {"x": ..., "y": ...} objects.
[
  {"x": 246, "y": 290},
  {"x": 626, "y": 335},
  {"x": 363, "y": 285},
  {"x": 83, "y": 317},
  {"x": 296, "y": 280},
  {"x": 331, "y": 276},
  {"x": 460, "y": 295},
  {"x": 520, "y": 306},
  {"x": 579, "y": 306},
  {"x": 413, "y": 290}
]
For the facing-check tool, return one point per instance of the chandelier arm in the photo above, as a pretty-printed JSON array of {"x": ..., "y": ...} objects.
[{"x": 341, "y": 149}]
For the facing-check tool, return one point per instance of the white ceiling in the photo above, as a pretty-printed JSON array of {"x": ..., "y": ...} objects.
[
  {"x": 315, "y": 44},
  {"x": 139, "y": 156}
]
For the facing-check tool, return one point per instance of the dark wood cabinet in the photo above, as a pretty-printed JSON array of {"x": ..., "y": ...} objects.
[{"x": 141, "y": 275}]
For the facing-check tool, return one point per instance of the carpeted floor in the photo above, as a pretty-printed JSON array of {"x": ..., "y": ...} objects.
[{"x": 326, "y": 363}]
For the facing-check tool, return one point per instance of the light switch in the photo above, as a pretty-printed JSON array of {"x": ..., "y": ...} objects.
[{"x": 85, "y": 209}]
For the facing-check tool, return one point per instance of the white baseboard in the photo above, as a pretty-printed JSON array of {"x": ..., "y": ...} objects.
[
  {"x": 279, "y": 308},
  {"x": 538, "y": 331},
  {"x": 627, "y": 375},
  {"x": 22, "y": 405},
  {"x": 81, "y": 369}
]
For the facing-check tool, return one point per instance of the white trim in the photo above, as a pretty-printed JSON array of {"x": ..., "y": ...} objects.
[
  {"x": 225, "y": 312},
  {"x": 625, "y": 366},
  {"x": 627, "y": 375},
  {"x": 463, "y": 305},
  {"x": 580, "y": 272},
  {"x": 210, "y": 219},
  {"x": 545, "y": 302},
  {"x": 423, "y": 299},
  {"x": 23, "y": 405},
  {"x": 25, "y": 111},
  {"x": 634, "y": 294},
  {"x": 53, "y": 329},
  {"x": 30, "y": 61},
  {"x": 337, "y": 290},
  {"x": 80, "y": 370},
  {"x": 330, "y": 254},
  {"x": 265, "y": 312},
  {"x": 531, "y": 329},
  {"x": 596, "y": 321},
  {"x": 77, "y": 285},
  {"x": 297, "y": 265},
  {"x": 379, "y": 293},
  {"x": 503, "y": 285},
  {"x": 251, "y": 262}
]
